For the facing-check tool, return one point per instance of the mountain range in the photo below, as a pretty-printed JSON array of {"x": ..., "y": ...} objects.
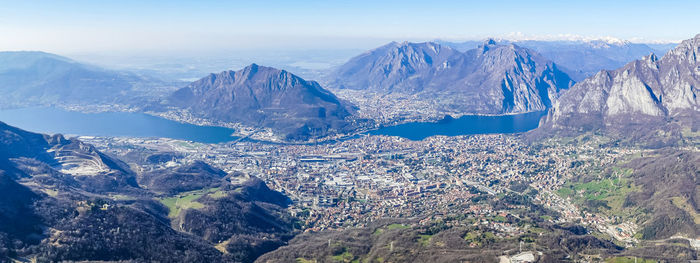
[
  {"x": 491, "y": 79},
  {"x": 29, "y": 78},
  {"x": 642, "y": 96},
  {"x": 266, "y": 97},
  {"x": 581, "y": 59}
]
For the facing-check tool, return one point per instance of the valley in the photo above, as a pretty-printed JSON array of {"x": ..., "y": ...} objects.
[
  {"x": 490, "y": 181},
  {"x": 166, "y": 141}
]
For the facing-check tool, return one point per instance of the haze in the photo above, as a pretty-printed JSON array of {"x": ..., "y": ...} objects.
[{"x": 167, "y": 27}]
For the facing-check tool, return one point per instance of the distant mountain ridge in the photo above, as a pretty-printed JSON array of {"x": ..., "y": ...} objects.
[
  {"x": 267, "y": 97},
  {"x": 649, "y": 93},
  {"x": 581, "y": 59},
  {"x": 491, "y": 79},
  {"x": 30, "y": 78}
]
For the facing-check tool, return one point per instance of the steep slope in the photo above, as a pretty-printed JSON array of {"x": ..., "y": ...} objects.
[
  {"x": 492, "y": 79},
  {"x": 37, "y": 78},
  {"x": 515, "y": 79},
  {"x": 398, "y": 67},
  {"x": 25, "y": 154},
  {"x": 268, "y": 97},
  {"x": 17, "y": 220},
  {"x": 644, "y": 94}
]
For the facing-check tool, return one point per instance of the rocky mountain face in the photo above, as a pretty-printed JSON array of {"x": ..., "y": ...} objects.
[
  {"x": 63, "y": 200},
  {"x": 37, "y": 78},
  {"x": 582, "y": 59},
  {"x": 267, "y": 97},
  {"x": 647, "y": 93},
  {"x": 395, "y": 67},
  {"x": 491, "y": 79}
]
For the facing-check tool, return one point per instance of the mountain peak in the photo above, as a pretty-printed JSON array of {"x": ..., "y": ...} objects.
[
  {"x": 651, "y": 58},
  {"x": 688, "y": 50},
  {"x": 260, "y": 72},
  {"x": 268, "y": 97},
  {"x": 488, "y": 45},
  {"x": 693, "y": 41},
  {"x": 253, "y": 68},
  {"x": 429, "y": 69},
  {"x": 490, "y": 42}
]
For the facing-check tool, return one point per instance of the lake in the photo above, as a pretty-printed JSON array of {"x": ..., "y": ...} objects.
[
  {"x": 127, "y": 124},
  {"x": 465, "y": 125}
]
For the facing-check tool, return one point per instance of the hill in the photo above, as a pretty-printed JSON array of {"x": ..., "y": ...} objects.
[{"x": 63, "y": 200}]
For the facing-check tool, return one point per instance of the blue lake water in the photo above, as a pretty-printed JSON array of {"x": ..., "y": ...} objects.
[
  {"x": 465, "y": 125},
  {"x": 52, "y": 120}
]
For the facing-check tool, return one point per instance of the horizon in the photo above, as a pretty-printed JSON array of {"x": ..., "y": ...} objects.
[{"x": 180, "y": 27}]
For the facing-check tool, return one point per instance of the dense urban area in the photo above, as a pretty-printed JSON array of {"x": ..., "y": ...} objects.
[{"x": 355, "y": 182}]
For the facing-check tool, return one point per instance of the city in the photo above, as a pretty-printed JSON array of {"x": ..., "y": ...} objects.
[{"x": 355, "y": 182}]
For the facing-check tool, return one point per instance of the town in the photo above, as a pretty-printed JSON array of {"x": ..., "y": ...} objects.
[{"x": 354, "y": 182}]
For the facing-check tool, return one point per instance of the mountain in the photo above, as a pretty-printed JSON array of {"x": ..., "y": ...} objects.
[
  {"x": 641, "y": 96},
  {"x": 49, "y": 158},
  {"x": 582, "y": 59},
  {"x": 491, "y": 79},
  {"x": 267, "y": 97},
  {"x": 30, "y": 78},
  {"x": 398, "y": 67},
  {"x": 63, "y": 200}
]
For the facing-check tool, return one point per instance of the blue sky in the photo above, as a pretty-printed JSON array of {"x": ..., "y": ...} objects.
[{"x": 151, "y": 26}]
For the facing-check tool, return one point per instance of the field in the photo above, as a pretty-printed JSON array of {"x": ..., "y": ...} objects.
[
  {"x": 183, "y": 201},
  {"x": 629, "y": 260},
  {"x": 606, "y": 193}
]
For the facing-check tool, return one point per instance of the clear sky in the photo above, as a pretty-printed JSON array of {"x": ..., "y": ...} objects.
[{"x": 153, "y": 26}]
